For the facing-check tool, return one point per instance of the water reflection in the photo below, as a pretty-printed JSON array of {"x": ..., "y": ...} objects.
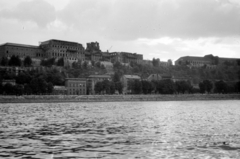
[{"x": 198, "y": 129}]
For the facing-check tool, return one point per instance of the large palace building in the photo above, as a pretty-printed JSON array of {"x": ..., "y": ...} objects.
[
  {"x": 63, "y": 49},
  {"x": 69, "y": 51},
  {"x": 21, "y": 50}
]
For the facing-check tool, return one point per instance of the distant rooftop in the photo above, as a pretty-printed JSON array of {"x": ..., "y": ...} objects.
[
  {"x": 99, "y": 76},
  {"x": 132, "y": 76},
  {"x": 196, "y": 58},
  {"x": 76, "y": 79},
  {"x": 60, "y": 41}
]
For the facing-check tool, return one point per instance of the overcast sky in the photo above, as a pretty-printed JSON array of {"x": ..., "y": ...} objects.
[{"x": 165, "y": 29}]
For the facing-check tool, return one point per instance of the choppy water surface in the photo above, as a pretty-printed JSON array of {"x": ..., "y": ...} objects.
[{"x": 189, "y": 129}]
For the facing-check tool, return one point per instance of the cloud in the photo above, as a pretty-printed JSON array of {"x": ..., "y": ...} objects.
[
  {"x": 38, "y": 11},
  {"x": 134, "y": 19}
]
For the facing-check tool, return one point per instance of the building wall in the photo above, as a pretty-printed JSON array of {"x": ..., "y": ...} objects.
[
  {"x": 125, "y": 81},
  {"x": 76, "y": 86},
  {"x": 63, "y": 49},
  {"x": 93, "y": 79},
  {"x": 10, "y": 49}
]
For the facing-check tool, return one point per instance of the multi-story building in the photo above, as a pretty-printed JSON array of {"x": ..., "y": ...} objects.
[
  {"x": 147, "y": 62},
  {"x": 208, "y": 60},
  {"x": 193, "y": 61},
  {"x": 125, "y": 81},
  {"x": 76, "y": 86},
  {"x": 166, "y": 64},
  {"x": 71, "y": 51},
  {"x": 93, "y": 52},
  {"x": 21, "y": 50},
  {"x": 11, "y": 70},
  {"x": 93, "y": 79},
  {"x": 157, "y": 77},
  {"x": 126, "y": 57}
]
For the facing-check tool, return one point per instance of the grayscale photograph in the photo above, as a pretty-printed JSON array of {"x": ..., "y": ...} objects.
[{"x": 119, "y": 79}]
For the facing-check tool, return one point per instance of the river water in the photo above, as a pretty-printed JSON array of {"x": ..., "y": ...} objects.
[{"x": 186, "y": 129}]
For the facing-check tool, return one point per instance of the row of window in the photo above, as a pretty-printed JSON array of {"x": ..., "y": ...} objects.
[
  {"x": 76, "y": 85},
  {"x": 17, "y": 48},
  {"x": 77, "y": 91},
  {"x": 63, "y": 55},
  {"x": 66, "y": 47},
  {"x": 21, "y": 54}
]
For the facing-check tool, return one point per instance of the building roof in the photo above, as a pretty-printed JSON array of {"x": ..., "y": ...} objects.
[
  {"x": 195, "y": 58},
  {"x": 61, "y": 41},
  {"x": 59, "y": 88},
  {"x": 76, "y": 79},
  {"x": 99, "y": 76},
  {"x": 19, "y": 45},
  {"x": 228, "y": 58},
  {"x": 132, "y": 76},
  {"x": 159, "y": 76}
]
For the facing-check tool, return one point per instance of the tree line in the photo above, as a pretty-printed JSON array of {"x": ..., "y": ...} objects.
[
  {"x": 16, "y": 61},
  {"x": 167, "y": 87},
  {"x": 31, "y": 82}
]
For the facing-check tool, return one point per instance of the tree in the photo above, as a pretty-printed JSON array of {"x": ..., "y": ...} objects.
[
  {"x": 208, "y": 85},
  {"x": 202, "y": 87},
  {"x": 27, "y": 89},
  {"x": 23, "y": 78},
  {"x": 117, "y": 65},
  {"x": 112, "y": 87},
  {"x": 147, "y": 87},
  {"x": 4, "y": 61},
  {"x": 27, "y": 61},
  {"x": 8, "y": 89},
  {"x": 15, "y": 61},
  {"x": 98, "y": 87},
  {"x": 183, "y": 86},
  {"x": 98, "y": 64},
  {"x": 49, "y": 87},
  {"x": 116, "y": 77},
  {"x": 85, "y": 65},
  {"x": 48, "y": 62},
  {"x": 1, "y": 87},
  {"x": 19, "y": 89},
  {"x": 165, "y": 87},
  {"x": 238, "y": 86},
  {"x": 60, "y": 62},
  {"x": 39, "y": 86},
  {"x": 220, "y": 87},
  {"x": 119, "y": 87},
  {"x": 106, "y": 86},
  {"x": 137, "y": 87}
]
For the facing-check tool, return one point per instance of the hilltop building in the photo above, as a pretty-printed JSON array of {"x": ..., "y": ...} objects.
[
  {"x": 126, "y": 57},
  {"x": 21, "y": 50},
  {"x": 71, "y": 51},
  {"x": 208, "y": 61}
]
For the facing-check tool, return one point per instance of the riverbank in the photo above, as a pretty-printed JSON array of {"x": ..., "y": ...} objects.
[{"x": 114, "y": 98}]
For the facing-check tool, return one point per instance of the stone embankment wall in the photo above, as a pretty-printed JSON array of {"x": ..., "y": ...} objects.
[{"x": 114, "y": 98}]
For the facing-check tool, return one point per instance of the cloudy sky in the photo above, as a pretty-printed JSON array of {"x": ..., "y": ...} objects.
[{"x": 165, "y": 29}]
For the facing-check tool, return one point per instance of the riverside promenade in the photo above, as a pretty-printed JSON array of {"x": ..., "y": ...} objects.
[{"x": 114, "y": 98}]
